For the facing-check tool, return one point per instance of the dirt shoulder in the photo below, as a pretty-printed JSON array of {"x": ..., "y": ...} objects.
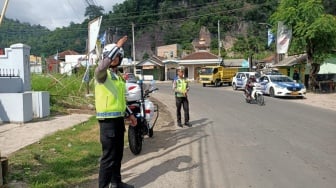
[{"x": 321, "y": 100}]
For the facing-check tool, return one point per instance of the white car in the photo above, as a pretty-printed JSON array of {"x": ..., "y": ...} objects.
[
  {"x": 240, "y": 79},
  {"x": 281, "y": 86}
]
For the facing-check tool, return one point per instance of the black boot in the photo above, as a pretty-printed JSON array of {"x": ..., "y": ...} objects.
[
  {"x": 121, "y": 185},
  {"x": 187, "y": 124}
]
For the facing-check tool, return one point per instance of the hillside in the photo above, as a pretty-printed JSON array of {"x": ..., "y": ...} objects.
[{"x": 159, "y": 22}]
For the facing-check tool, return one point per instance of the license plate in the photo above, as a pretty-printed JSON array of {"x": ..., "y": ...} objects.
[{"x": 295, "y": 93}]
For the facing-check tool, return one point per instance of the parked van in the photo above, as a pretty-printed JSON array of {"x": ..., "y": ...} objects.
[{"x": 240, "y": 79}]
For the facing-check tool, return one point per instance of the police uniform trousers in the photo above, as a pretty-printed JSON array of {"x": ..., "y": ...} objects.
[
  {"x": 112, "y": 140},
  {"x": 182, "y": 101}
]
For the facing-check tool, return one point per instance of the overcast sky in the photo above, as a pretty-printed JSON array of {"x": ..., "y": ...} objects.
[{"x": 51, "y": 13}]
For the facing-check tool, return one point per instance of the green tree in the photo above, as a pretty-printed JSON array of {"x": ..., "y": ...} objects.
[
  {"x": 314, "y": 31},
  {"x": 93, "y": 11}
]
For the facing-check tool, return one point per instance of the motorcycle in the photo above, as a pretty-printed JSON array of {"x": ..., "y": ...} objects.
[
  {"x": 256, "y": 95},
  {"x": 144, "y": 110}
]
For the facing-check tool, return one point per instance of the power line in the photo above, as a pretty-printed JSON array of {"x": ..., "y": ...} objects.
[
  {"x": 72, "y": 7},
  {"x": 143, "y": 24}
]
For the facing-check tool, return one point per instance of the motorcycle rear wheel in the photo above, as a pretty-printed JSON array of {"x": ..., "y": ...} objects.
[{"x": 135, "y": 139}]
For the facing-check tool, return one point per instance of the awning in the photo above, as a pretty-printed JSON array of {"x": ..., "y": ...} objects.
[
  {"x": 328, "y": 67},
  {"x": 292, "y": 60},
  {"x": 245, "y": 64}
]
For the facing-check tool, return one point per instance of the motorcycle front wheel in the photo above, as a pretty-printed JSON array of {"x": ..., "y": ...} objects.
[
  {"x": 260, "y": 99},
  {"x": 135, "y": 139},
  {"x": 246, "y": 97}
]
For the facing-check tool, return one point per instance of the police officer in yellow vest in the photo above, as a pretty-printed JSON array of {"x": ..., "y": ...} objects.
[
  {"x": 111, "y": 109},
  {"x": 181, "y": 88}
]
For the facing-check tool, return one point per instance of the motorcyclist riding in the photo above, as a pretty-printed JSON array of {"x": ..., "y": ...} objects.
[{"x": 249, "y": 86}]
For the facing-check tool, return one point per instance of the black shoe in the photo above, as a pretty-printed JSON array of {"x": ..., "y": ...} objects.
[
  {"x": 187, "y": 124},
  {"x": 179, "y": 124},
  {"x": 121, "y": 185}
]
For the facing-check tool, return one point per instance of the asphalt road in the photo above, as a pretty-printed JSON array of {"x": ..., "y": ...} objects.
[{"x": 233, "y": 144}]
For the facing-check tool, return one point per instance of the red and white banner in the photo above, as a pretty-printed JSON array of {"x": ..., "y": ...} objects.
[{"x": 284, "y": 36}]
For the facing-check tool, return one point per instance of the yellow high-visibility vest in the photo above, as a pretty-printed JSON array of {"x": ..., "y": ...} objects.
[
  {"x": 110, "y": 97},
  {"x": 181, "y": 87}
]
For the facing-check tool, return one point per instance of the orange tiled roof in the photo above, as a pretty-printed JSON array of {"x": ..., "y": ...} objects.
[
  {"x": 61, "y": 55},
  {"x": 200, "y": 55},
  {"x": 269, "y": 58}
]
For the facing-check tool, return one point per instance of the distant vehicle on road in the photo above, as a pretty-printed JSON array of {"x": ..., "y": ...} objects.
[
  {"x": 240, "y": 79},
  {"x": 281, "y": 86},
  {"x": 217, "y": 75},
  {"x": 129, "y": 78}
]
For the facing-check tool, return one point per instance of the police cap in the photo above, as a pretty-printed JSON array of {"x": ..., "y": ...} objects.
[{"x": 180, "y": 68}]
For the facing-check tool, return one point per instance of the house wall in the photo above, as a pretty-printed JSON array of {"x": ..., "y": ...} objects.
[
  {"x": 35, "y": 64},
  {"x": 155, "y": 73},
  {"x": 168, "y": 51}
]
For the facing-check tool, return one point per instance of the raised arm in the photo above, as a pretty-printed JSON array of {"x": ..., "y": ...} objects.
[{"x": 108, "y": 57}]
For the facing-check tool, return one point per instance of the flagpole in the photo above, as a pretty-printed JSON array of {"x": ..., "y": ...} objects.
[{"x": 268, "y": 26}]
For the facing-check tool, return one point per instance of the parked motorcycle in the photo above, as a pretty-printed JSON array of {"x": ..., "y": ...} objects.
[
  {"x": 256, "y": 97},
  {"x": 144, "y": 110}
]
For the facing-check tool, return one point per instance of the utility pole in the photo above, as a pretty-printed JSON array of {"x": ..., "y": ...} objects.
[
  {"x": 219, "y": 41},
  {"x": 2, "y": 15},
  {"x": 133, "y": 48}
]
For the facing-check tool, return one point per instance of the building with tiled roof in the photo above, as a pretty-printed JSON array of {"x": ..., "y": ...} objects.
[
  {"x": 193, "y": 63},
  {"x": 200, "y": 55},
  {"x": 152, "y": 68},
  {"x": 53, "y": 61}
]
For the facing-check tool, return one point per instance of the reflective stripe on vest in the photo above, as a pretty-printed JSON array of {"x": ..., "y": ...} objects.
[
  {"x": 110, "y": 97},
  {"x": 109, "y": 114}
]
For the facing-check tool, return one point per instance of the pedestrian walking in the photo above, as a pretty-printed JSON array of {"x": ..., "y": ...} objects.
[
  {"x": 111, "y": 109},
  {"x": 181, "y": 88}
]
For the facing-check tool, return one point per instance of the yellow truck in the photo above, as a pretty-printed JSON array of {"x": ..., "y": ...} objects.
[{"x": 217, "y": 75}]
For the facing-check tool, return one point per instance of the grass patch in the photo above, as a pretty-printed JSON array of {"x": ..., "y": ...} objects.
[
  {"x": 63, "y": 159},
  {"x": 65, "y": 91},
  {"x": 69, "y": 157}
]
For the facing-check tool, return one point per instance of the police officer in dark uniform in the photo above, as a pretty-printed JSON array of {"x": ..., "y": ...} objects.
[
  {"x": 111, "y": 109},
  {"x": 181, "y": 88}
]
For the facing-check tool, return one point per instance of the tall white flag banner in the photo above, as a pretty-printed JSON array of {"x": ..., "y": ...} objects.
[
  {"x": 284, "y": 36},
  {"x": 270, "y": 37},
  {"x": 94, "y": 27}
]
